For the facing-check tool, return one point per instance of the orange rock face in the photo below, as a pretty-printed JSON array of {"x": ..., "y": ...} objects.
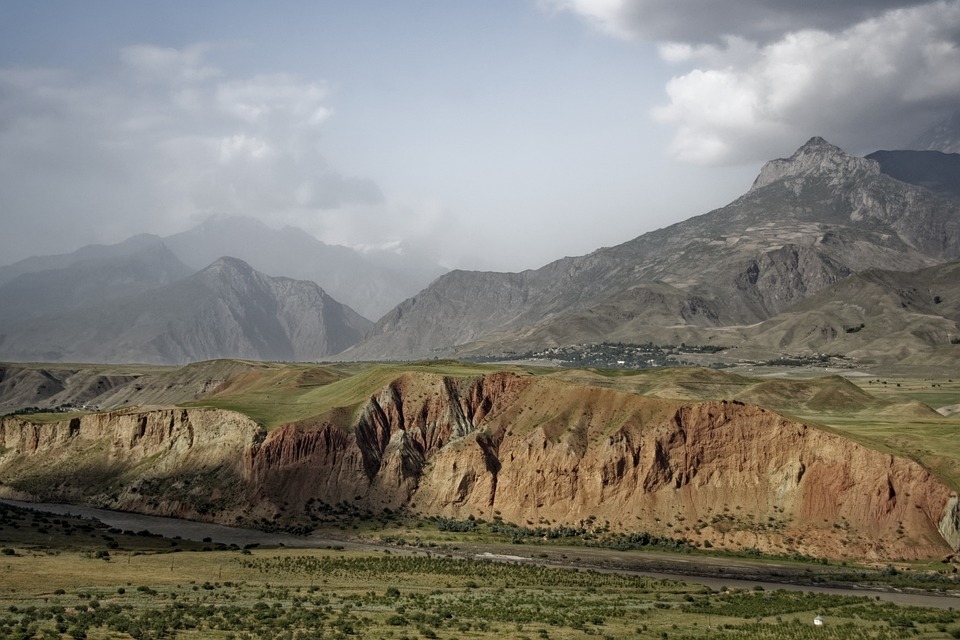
[{"x": 529, "y": 450}]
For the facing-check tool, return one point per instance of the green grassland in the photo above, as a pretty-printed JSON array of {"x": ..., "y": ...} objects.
[{"x": 146, "y": 587}]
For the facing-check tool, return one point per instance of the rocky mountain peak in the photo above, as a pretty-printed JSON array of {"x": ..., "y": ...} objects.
[{"x": 819, "y": 159}]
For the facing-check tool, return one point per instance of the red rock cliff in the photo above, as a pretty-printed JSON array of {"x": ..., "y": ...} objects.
[{"x": 523, "y": 448}]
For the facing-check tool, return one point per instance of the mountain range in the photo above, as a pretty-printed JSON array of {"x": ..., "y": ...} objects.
[
  {"x": 370, "y": 282},
  {"x": 175, "y": 299},
  {"x": 782, "y": 269},
  {"x": 943, "y": 136}
]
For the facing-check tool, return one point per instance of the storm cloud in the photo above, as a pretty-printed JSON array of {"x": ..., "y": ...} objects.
[{"x": 761, "y": 77}]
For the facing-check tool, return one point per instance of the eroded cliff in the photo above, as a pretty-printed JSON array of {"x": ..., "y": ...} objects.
[
  {"x": 163, "y": 461},
  {"x": 525, "y": 449}
]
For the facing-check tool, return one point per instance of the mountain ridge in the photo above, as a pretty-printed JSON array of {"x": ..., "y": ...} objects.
[{"x": 370, "y": 282}]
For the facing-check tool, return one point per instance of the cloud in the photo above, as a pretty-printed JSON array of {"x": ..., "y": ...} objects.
[
  {"x": 763, "y": 78},
  {"x": 867, "y": 86},
  {"x": 160, "y": 141}
]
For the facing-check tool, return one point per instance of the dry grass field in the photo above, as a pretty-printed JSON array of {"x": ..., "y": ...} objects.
[{"x": 78, "y": 580}]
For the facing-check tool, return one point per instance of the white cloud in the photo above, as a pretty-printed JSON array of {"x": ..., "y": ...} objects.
[
  {"x": 265, "y": 98},
  {"x": 242, "y": 147}
]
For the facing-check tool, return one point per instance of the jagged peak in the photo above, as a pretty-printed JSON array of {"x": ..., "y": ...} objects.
[
  {"x": 817, "y": 143},
  {"x": 819, "y": 158}
]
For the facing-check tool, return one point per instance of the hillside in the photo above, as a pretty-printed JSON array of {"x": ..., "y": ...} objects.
[
  {"x": 807, "y": 222},
  {"x": 875, "y": 316}
]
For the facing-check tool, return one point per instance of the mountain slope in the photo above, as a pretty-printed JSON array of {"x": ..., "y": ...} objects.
[
  {"x": 371, "y": 283},
  {"x": 877, "y": 315},
  {"x": 808, "y": 221},
  {"x": 226, "y": 310}
]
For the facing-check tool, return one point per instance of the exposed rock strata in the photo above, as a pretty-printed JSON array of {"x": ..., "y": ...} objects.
[
  {"x": 165, "y": 461},
  {"x": 522, "y": 448}
]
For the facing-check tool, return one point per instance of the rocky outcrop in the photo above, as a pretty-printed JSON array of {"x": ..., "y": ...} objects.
[
  {"x": 950, "y": 524},
  {"x": 383, "y": 459},
  {"x": 525, "y": 449},
  {"x": 729, "y": 474},
  {"x": 818, "y": 159}
]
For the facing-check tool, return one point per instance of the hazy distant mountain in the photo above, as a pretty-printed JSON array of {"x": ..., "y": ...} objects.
[
  {"x": 131, "y": 247},
  {"x": 55, "y": 284},
  {"x": 933, "y": 170},
  {"x": 372, "y": 283},
  {"x": 943, "y": 136},
  {"x": 225, "y": 310},
  {"x": 808, "y": 221}
]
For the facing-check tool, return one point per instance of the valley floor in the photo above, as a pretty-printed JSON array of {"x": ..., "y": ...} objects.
[{"x": 718, "y": 572}]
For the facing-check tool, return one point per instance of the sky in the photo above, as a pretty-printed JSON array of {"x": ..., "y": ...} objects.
[{"x": 483, "y": 135}]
